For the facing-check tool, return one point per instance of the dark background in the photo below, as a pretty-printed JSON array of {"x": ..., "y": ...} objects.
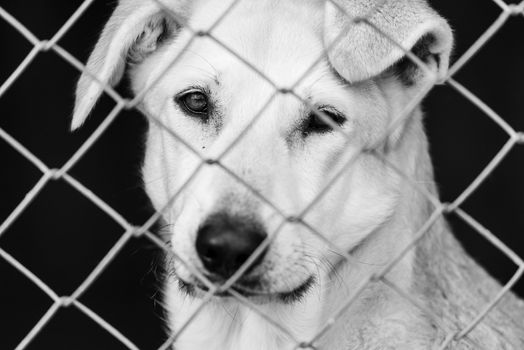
[{"x": 62, "y": 235}]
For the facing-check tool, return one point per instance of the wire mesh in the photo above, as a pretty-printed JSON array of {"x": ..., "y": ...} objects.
[{"x": 39, "y": 46}]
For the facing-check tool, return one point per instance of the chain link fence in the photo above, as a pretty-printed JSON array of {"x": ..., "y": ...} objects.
[{"x": 515, "y": 138}]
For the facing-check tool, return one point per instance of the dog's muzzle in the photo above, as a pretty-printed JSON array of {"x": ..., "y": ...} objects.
[{"x": 224, "y": 243}]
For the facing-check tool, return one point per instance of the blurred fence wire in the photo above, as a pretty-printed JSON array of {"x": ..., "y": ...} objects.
[{"x": 43, "y": 46}]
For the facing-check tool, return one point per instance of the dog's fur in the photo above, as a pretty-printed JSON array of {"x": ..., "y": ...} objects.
[{"x": 370, "y": 211}]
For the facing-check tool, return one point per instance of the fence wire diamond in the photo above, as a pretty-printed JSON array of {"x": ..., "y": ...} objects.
[{"x": 43, "y": 46}]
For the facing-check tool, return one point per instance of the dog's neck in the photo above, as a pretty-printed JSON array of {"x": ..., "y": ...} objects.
[
  {"x": 414, "y": 306},
  {"x": 379, "y": 313}
]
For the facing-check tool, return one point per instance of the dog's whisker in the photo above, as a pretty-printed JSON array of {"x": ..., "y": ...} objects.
[
  {"x": 152, "y": 181},
  {"x": 204, "y": 60},
  {"x": 230, "y": 313},
  {"x": 357, "y": 260},
  {"x": 203, "y": 71}
]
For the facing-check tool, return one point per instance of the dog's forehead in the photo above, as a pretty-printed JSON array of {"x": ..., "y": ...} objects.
[{"x": 282, "y": 40}]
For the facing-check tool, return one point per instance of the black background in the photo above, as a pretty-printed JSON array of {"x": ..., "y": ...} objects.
[{"x": 62, "y": 236}]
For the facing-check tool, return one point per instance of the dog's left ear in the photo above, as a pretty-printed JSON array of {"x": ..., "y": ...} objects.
[
  {"x": 135, "y": 30},
  {"x": 364, "y": 49},
  {"x": 368, "y": 40}
]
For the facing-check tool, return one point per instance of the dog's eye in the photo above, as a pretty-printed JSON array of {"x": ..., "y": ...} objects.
[
  {"x": 315, "y": 124},
  {"x": 194, "y": 102}
]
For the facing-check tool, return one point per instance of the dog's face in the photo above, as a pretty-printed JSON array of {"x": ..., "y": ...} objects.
[
  {"x": 282, "y": 150},
  {"x": 270, "y": 156}
]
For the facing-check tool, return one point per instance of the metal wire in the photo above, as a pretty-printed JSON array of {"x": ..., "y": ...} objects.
[{"x": 39, "y": 46}]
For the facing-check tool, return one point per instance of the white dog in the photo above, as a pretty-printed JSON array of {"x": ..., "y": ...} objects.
[{"x": 287, "y": 149}]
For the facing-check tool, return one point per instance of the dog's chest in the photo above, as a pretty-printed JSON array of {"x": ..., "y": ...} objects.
[
  {"x": 233, "y": 331},
  {"x": 233, "y": 326}
]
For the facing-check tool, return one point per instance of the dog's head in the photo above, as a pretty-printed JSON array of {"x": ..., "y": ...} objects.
[{"x": 252, "y": 123}]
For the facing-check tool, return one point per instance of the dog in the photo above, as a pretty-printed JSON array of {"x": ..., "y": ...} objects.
[{"x": 277, "y": 132}]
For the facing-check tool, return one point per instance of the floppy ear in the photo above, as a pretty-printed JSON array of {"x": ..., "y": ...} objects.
[
  {"x": 368, "y": 39},
  {"x": 135, "y": 29},
  {"x": 363, "y": 52}
]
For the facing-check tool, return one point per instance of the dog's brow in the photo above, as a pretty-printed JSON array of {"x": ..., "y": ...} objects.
[{"x": 211, "y": 76}]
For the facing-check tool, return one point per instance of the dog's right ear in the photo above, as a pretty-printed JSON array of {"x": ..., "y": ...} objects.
[
  {"x": 371, "y": 39},
  {"x": 367, "y": 37},
  {"x": 135, "y": 30}
]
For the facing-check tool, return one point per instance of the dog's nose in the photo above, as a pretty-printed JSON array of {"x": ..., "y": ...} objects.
[{"x": 224, "y": 242}]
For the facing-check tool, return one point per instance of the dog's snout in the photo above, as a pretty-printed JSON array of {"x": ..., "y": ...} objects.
[{"x": 224, "y": 242}]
